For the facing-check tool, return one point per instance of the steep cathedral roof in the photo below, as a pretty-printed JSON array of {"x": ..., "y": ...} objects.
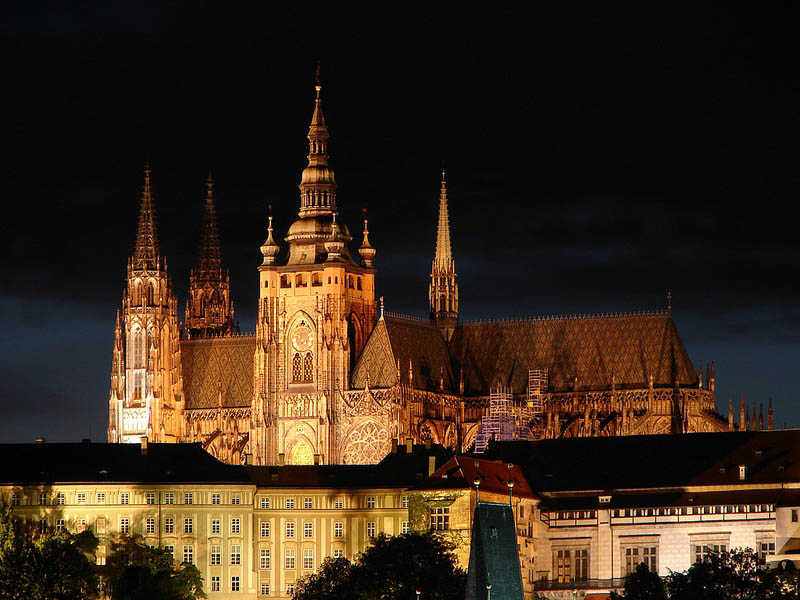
[
  {"x": 218, "y": 369},
  {"x": 397, "y": 340},
  {"x": 626, "y": 348}
]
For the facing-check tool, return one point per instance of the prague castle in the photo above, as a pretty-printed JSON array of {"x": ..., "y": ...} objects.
[{"x": 329, "y": 377}]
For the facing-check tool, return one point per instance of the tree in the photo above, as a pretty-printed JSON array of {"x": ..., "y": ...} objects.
[
  {"x": 392, "y": 568},
  {"x": 642, "y": 584},
  {"x": 721, "y": 576},
  {"x": 45, "y": 565},
  {"x": 138, "y": 572}
]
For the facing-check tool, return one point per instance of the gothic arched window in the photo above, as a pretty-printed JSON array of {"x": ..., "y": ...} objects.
[
  {"x": 308, "y": 367},
  {"x": 442, "y": 304},
  {"x": 297, "y": 367},
  {"x": 138, "y": 349}
]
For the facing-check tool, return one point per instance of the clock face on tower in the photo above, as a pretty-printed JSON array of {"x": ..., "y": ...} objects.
[{"x": 302, "y": 338}]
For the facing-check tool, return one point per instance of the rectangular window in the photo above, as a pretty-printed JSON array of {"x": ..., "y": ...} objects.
[
  {"x": 169, "y": 498},
  {"x": 124, "y": 498},
  {"x": 150, "y": 525},
  {"x": 404, "y": 527},
  {"x": 215, "y": 526},
  {"x": 235, "y": 583},
  {"x": 265, "y": 589},
  {"x": 100, "y": 525},
  {"x": 370, "y": 501},
  {"x": 289, "y": 529},
  {"x": 338, "y": 529},
  {"x": 290, "y": 503},
  {"x": 14, "y": 500},
  {"x": 264, "y": 528},
  {"x": 794, "y": 515},
  {"x": 169, "y": 525},
  {"x": 563, "y": 570},
  {"x": 704, "y": 551},
  {"x": 188, "y": 554},
  {"x": 61, "y": 499},
  {"x": 188, "y": 498},
  {"x": 236, "y": 526},
  {"x": 236, "y": 554},
  {"x": 631, "y": 560},
  {"x": 215, "y": 555},
  {"x": 371, "y": 529},
  {"x": 765, "y": 549},
  {"x": 215, "y": 498},
  {"x": 101, "y": 497},
  {"x": 440, "y": 518},
  {"x": 265, "y": 503},
  {"x": 649, "y": 554},
  {"x": 581, "y": 565},
  {"x": 100, "y": 557},
  {"x": 308, "y": 559},
  {"x": 170, "y": 550},
  {"x": 404, "y": 502},
  {"x": 263, "y": 558},
  {"x": 60, "y": 525},
  {"x": 288, "y": 562},
  {"x": 188, "y": 525},
  {"x": 42, "y": 498},
  {"x": 236, "y": 499},
  {"x": 124, "y": 525},
  {"x": 308, "y": 503},
  {"x": 290, "y": 589},
  {"x": 338, "y": 503},
  {"x": 308, "y": 529},
  {"x": 215, "y": 583},
  {"x": 338, "y": 553},
  {"x": 80, "y": 523},
  {"x": 150, "y": 498}
]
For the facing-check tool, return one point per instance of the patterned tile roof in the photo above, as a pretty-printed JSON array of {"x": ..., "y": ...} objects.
[
  {"x": 628, "y": 347},
  {"x": 218, "y": 364},
  {"x": 396, "y": 339}
]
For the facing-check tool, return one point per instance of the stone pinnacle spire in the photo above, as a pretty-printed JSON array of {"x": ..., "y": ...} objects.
[
  {"x": 443, "y": 249},
  {"x": 145, "y": 255},
  {"x": 210, "y": 258},
  {"x": 317, "y": 185}
]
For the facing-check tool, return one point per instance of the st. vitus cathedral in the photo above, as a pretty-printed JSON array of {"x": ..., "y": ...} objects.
[{"x": 330, "y": 377}]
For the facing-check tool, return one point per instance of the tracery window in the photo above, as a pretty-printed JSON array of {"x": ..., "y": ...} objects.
[
  {"x": 308, "y": 367},
  {"x": 302, "y": 368}
]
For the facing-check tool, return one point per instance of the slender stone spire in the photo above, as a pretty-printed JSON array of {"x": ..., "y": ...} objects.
[
  {"x": 145, "y": 255},
  {"x": 210, "y": 258},
  {"x": 317, "y": 185},
  {"x": 443, "y": 290},
  {"x": 444, "y": 254},
  {"x": 770, "y": 416}
]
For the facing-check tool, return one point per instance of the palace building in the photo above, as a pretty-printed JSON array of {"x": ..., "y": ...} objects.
[{"x": 330, "y": 377}]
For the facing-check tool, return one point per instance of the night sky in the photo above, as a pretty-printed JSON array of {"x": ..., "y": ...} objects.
[{"x": 596, "y": 160}]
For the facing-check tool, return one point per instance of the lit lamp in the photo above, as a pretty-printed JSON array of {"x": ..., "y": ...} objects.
[
  {"x": 418, "y": 593},
  {"x": 510, "y": 489},
  {"x": 477, "y": 483},
  {"x": 488, "y": 591}
]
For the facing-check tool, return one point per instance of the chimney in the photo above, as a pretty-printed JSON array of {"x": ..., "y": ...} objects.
[
  {"x": 428, "y": 444},
  {"x": 742, "y": 472},
  {"x": 248, "y": 458},
  {"x": 40, "y": 440},
  {"x": 281, "y": 459},
  {"x": 409, "y": 445},
  {"x": 394, "y": 445},
  {"x": 431, "y": 465},
  {"x": 144, "y": 445}
]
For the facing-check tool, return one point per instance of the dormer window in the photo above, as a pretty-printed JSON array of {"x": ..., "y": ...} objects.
[{"x": 285, "y": 281}]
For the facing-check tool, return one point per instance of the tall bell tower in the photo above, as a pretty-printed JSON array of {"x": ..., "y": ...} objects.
[
  {"x": 443, "y": 289},
  {"x": 316, "y": 309},
  {"x": 146, "y": 397}
]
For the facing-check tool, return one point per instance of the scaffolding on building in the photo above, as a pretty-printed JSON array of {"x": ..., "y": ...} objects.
[{"x": 512, "y": 419}]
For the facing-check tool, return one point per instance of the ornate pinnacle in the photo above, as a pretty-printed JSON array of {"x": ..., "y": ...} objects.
[
  {"x": 209, "y": 263},
  {"x": 317, "y": 184},
  {"x": 270, "y": 248},
  {"x": 145, "y": 255},
  {"x": 334, "y": 244},
  {"x": 443, "y": 255},
  {"x": 366, "y": 250}
]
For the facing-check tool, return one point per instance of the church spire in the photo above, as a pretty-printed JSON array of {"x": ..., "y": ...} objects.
[
  {"x": 209, "y": 308},
  {"x": 443, "y": 289},
  {"x": 145, "y": 255},
  {"x": 443, "y": 250},
  {"x": 317, "y": 185},
  {"x": 210, "y": 259}
]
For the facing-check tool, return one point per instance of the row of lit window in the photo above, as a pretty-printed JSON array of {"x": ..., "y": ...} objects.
[
  {"x": 124, "y": 498},
  {"x": 694, "y": 510},
  {"x": 308, "y": 503},
  {"x": 301, "y": 281}
]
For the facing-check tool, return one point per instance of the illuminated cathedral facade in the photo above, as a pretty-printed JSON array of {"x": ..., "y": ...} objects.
[{"x": 330, "y": 377}]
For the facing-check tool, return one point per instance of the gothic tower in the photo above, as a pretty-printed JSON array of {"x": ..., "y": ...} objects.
[
  {"x": 443, "y": 289},
  {"x": 209, "y": 308},
  {"x": 145, "y": 398},
  {"x": 316, "y": 308}
]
